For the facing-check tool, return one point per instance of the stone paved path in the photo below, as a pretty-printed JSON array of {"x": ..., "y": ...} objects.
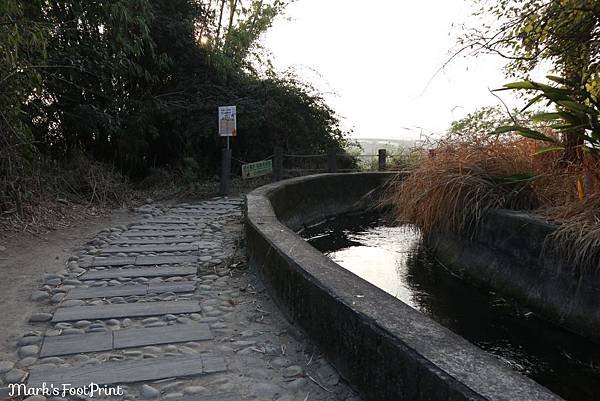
[{"x": 167, "y": 309}]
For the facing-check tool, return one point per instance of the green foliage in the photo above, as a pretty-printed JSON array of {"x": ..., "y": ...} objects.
[
  {"x": 137, "y": 83},
  {"x": 134, "y": 82},
  {"x": 95, "y": 66},
  {"x": 563, "y": 33},
  {"x": 241, "y": 40},
  {"x": 576, "y": 113},
  {"x": 526, "y": 32},
  {"x": 22, "y": 56},
  {"x": 404, "y": 159},
  {"x": 481, "y": 121}
]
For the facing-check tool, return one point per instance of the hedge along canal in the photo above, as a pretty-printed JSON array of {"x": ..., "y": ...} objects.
[
  {"x": 385, "y": 348},
  {"x": 394, "y": 258}
]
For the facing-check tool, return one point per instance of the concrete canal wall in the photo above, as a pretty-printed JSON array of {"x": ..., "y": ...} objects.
[
  {"x": 383, "y": 347},
  {"x": 513, "y": 253}
]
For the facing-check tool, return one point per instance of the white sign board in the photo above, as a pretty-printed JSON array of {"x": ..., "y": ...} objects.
[{"x": 227, "y": 121}]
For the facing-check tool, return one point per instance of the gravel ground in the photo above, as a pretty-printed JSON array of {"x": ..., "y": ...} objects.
[{"x": 266, "y": 357}]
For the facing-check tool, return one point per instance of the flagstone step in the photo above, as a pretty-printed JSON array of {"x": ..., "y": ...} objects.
[
  {"x": 127, "y": 338},
  {"x": 215, "y": 397},
  {"x": 167, "y": 271},
  {"x": 109, "y": 261},
  {"x": 128, "y": 290},
  {"x": 115, "y": 372},
  {"x": 138, "y": 309},
  {"x": 180, "y": 226},
  {"x": 161, "y": 233},
  {"x": 151, "y": 248},
  {"x": 169, "y": 240}
]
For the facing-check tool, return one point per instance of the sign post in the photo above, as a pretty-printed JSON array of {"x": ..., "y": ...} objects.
[
  {"x": 227, "y": 128},
  {"x": 227, "y": 122}
]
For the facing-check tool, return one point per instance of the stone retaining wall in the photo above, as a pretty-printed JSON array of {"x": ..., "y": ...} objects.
[{"x": 383, "y": 347}]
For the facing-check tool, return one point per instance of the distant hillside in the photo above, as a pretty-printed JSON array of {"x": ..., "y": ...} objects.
[{"x": 372, "y": 145}]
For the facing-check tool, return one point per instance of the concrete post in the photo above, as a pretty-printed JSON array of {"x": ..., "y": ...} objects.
[
  {"x": 382, "y": 159},
  {"x": 278, "y": 164},
  {"x": 332, "y": 160},
  {"x": 225, "y": 172}
]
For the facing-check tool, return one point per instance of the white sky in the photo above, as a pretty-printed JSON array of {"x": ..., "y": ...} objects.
[{"x": 378, "y": 56}]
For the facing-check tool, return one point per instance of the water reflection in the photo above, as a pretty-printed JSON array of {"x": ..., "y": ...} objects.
[
  {"x": 394, "y": 259},
  {"x": 386, "y": 247}
]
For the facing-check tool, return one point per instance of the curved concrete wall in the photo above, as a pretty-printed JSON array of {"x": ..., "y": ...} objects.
[
  {"x": 507, "y": 253},
  {"x": 386, "y": 349}
]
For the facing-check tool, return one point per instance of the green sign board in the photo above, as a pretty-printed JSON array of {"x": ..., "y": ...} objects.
[{"x": 257, "y": 169}]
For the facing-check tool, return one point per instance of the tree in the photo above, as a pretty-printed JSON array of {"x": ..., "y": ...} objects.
[
  {"x": 479, "y": 122},
  {"x": 95, "y": 51},
  {"x": 136, "y": 83},
  {"x": 22, "y": 57},
  {"x": 565, "y": 33}
]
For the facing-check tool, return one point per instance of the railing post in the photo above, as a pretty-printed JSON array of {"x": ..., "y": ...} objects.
[
  {"x": 278, "y": 164},
  {"x": 225, "y": 172},
  {"x": 382, "y": 159},
  {"x": 332, "y": 160}
]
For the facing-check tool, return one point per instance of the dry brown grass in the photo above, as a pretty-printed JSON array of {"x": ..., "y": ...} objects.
[
  {"x": 460, "y": 180},
  {"x": 578, "y": 233},
  {"x": 454, "y": 186},
  {"x": 52, "y": 196},
  {"x": 58, "y": 196}
]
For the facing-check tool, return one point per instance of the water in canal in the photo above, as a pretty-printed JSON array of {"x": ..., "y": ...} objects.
[{"x": 394, "y": 259}]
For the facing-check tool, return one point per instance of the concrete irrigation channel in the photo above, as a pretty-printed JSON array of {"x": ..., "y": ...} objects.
[{"x": 386, "y": 349}]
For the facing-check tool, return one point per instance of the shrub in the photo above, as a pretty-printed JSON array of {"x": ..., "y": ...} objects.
[{"x": 455, "y": 184}]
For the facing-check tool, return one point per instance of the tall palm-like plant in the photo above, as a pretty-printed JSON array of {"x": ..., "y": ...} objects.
[{"x": 576, "y": 112}]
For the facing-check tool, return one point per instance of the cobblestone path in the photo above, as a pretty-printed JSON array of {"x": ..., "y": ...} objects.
[{"x": 167, "y": 309}]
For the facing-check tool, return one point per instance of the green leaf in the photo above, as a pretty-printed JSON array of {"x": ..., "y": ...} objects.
[
  {"x": 574, "y": 106},
  {"x": 532, "y": 102},
  {"x": 547, "y": 117},
  {"x": 549, "y": 149},
  {"x": 555, "y": 94},
  {"x": 556, "y": 79},
  {"x": 526, "y": 132},
  {"x": 562, "y": 81},
  {"x": 521, "y": 85},
  {"x": 531, "y": 85},
  {"x": 569, "y": 127}
]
